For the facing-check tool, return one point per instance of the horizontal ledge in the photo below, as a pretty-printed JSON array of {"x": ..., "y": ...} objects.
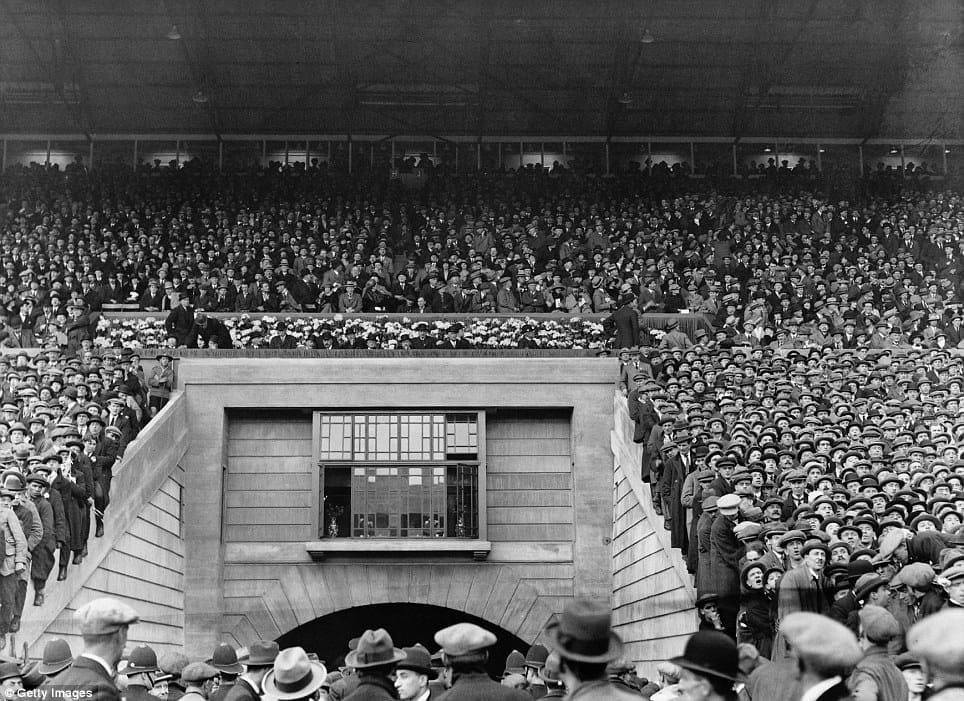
[{"x": 320, "y": 549}]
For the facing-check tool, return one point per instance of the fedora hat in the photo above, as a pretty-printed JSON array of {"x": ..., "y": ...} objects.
[
  {"x": 225, "y": 659},
  {"x": 583, "y": 632},
  {"x": 710, "y": 653},
  {"x": 57, "y": 657},
  {"x": 294, "y": 676},
  {"x": 418, "y": 660},
  {"x": 375, "y": 648},
  {"x": 261, "y": 653}
]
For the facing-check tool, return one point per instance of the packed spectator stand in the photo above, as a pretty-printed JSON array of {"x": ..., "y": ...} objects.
[
  {"x": 768, "y": 261},
  {"x": 815, "y": 480},
  {"x": 813, "y": 421}
]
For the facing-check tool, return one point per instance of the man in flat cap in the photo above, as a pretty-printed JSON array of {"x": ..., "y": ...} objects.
[
  {"x": 198, "y": 680},
  {"x": 103, "y": 625},
  {"x": 825, "y": 652},
  {"x": 465, "y": 651},
  {"x": 876, "y": 677},
  {"x": 938, "y": 641}
]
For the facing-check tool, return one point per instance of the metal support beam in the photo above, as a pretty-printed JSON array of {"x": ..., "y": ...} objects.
[{"x": 48, "y": 71}]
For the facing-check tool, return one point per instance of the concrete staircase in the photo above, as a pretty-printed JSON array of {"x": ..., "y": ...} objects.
[
  {"x": 653, "y": 594},
  {"x": 140, "y": 558}
]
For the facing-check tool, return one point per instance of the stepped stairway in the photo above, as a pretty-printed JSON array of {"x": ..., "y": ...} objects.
[
  {"x": 653, "y": 594},
  {"x": 140, "y": 558}
]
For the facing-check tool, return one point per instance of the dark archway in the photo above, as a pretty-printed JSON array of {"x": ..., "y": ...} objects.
[{"x": 407, "y": 623}]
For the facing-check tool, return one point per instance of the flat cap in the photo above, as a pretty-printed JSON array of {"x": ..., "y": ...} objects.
[
  {"x": 104, "y": 616},
  {"x": 728, "y": 501},
  {"x": 918, "y": 575},
  {"x": 878, "y": 624},
  {"x": 747, "y": 529},
  {"x": 938, "y": 639},
  {"x": 954, "y": 572},
  {"x": 791, "y": 536},
  {"x": 464, "y": 638},
  {"x": 198, "y": 672},
  {"x": 821, "y": 642}
]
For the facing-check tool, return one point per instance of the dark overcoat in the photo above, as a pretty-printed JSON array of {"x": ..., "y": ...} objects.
[{"x": 87, "y": 678}]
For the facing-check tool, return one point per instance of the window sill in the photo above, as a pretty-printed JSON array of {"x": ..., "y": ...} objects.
[{"x": 321, "y": 549}]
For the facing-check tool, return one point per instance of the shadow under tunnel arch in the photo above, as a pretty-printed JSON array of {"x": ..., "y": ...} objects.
[{"x": 407, "y": 623}]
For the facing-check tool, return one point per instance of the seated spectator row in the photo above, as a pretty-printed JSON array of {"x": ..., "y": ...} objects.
[{"x": 778, "y": 265}]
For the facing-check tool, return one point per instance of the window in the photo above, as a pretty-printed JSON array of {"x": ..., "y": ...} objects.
[{"x": 399, "y": 475}]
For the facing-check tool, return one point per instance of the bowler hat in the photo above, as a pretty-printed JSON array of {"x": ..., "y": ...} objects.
[
  {"x": 418, "y": 660},
  {"x": 710, "y": 653},
  {"x": 375, "y": 648},
  {"x": 57, "y": 657},
  {"x": 583, "y": 632},
  {"x": 294, "y": 675}
]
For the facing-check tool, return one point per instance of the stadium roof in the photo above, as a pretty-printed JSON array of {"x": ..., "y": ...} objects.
[{"x": 700, "y": 68}]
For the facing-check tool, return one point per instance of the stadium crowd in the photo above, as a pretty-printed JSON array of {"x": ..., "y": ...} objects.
[
  {"x": 65, "y": 423},
  {"x": 769, "y": 261},
  {"x": 584, "y": 660},
  {"x": 823, "y": 481},
  {"x": 806, "y": 457}
]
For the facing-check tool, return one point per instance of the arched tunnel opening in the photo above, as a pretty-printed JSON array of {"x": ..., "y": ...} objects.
[{"x": 407, "y": 623}]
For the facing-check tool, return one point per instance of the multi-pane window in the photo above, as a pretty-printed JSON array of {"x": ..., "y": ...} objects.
[{"x": 399, "y": 475}]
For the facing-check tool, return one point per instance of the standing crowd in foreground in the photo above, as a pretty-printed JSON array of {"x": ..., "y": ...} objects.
[{"x": 584, "y": 661}]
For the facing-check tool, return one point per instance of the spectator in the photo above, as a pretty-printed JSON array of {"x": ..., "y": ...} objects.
[
  {"x": 710, "y": 667},
  {"x": 825, "y": 652},
  {"x": 876, "y": 677},
  {"x": 103, "y": 624},
  {"x": 180, "y": 323}
]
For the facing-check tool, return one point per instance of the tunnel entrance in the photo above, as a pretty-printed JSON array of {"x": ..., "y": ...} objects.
[{"x": 407, "y": 623}]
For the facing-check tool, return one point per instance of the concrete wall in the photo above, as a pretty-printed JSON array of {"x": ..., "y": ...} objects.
[
  {"x": 140, "y": 559},
  {"x": 653, "y": 595},
  {"x": 545, "y": 547}
]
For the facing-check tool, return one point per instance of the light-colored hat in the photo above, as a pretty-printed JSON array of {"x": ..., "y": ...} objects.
[
  {"x": 938, "y": 639},
  {"x": 104, "y": 616},
  {"x": 463, "y": 639},
  {"x": 917, "y": 575},
  {"x": 198, "y": 672},
  {"x": 821, "y": 642},
  {"x": 878, "y": 624},
  {"x": 294, "y": 675},
  {"x": 728, "y": 501}
]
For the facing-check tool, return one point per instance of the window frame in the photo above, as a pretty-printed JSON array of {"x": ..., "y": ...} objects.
[{"x": 318, "y": 483}]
